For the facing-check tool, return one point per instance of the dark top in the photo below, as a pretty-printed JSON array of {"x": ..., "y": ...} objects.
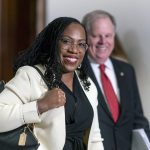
[{"x": 79, "y": 116}]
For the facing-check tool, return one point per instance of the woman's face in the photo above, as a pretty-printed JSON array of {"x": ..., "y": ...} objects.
[{"x": 72, "y": 47}]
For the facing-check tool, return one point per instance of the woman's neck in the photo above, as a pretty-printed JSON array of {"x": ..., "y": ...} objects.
[{"x": 67, "y": 79}]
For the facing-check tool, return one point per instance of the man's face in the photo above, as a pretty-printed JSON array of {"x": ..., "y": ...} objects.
[{"x": 101, "y": 40}]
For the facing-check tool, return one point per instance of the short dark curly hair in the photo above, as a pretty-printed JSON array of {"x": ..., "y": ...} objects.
[{"x": 44, "y": 50}]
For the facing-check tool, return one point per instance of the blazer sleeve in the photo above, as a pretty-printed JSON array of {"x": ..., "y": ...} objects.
[{"x": 18, "y": 99}]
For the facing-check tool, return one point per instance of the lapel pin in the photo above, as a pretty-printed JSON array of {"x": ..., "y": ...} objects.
[{"x": 121, "y": 73}]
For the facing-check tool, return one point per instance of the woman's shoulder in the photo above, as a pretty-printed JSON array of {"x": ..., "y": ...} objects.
[{"x": 29, "y": 70}]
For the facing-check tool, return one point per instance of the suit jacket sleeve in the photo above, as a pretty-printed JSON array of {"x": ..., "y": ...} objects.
[{"x": 140, "y": 120}]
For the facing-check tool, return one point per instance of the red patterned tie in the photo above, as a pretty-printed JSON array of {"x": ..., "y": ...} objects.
[{"x": 110, "y": 94}]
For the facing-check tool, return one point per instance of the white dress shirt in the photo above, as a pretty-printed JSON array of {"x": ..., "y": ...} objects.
[{"x": 109, "y": 70}]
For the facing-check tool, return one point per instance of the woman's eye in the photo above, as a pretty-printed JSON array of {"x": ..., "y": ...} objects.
[
  {"x": 66, "y": 41},
  {"x": 82, "y": 45}
]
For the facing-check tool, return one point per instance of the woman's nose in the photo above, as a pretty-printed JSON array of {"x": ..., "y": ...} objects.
[{"x": 74, "y": 48}]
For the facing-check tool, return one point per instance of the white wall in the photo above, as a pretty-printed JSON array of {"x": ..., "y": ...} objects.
[{"x": 133, "y": 21}]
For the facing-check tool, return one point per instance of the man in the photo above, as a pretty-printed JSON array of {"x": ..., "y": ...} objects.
[{"x": 116, "y": 124}]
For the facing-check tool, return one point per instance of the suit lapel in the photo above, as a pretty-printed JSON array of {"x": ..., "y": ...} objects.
[{"x": 122, "y": 85}]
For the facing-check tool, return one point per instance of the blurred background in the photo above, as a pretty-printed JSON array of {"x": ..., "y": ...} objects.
[{"x": 21, "y": 20}]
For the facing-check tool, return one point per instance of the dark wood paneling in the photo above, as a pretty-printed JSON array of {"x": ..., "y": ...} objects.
[{"x": 17, "y": 30}]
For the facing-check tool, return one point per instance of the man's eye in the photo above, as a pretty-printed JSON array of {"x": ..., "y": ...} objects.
[
  {"x": 94, "y": 36},
  {"x": 109, "y": 36}
]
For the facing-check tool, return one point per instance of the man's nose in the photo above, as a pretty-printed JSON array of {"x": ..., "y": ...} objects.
[{"x": 101, "y": 40}]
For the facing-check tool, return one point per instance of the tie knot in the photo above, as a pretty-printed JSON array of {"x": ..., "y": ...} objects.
[{"x": 102, "y": 67}]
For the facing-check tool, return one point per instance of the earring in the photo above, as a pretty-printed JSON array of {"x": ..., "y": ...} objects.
[{"x": 79, "y": 67}]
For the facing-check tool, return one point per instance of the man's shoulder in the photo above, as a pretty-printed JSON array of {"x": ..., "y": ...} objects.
[{"x": 121, "y": 63}]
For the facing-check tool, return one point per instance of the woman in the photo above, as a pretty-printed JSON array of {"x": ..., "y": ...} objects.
[{"x": 63, "y": 115}]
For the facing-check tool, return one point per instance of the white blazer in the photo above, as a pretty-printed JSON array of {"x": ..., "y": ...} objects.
[{"x": 18, "y": 106}]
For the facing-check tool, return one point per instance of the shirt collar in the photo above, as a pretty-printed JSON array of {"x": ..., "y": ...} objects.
[{"x": 108, "y": 63}]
